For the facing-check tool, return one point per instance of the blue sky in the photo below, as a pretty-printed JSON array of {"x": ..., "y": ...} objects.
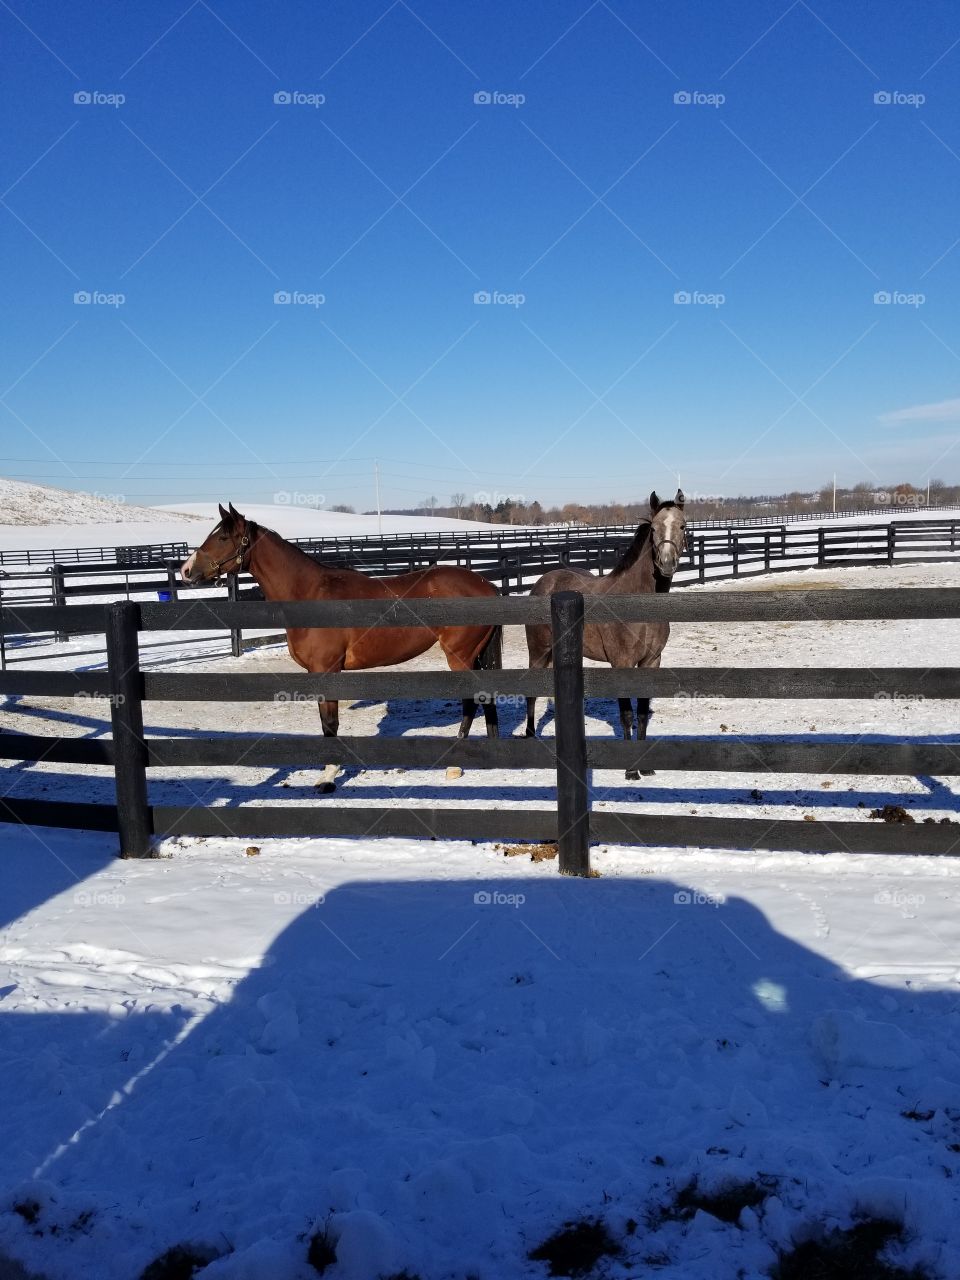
[{"x": 582, "y": 197}]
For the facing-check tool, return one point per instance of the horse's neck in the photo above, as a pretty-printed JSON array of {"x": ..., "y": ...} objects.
[
  {"x": 280, "y": 569},
  {"x": 639, "y": 578}
]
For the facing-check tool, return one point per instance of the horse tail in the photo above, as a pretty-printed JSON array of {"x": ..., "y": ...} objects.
[{"x": 490, "y": 657}]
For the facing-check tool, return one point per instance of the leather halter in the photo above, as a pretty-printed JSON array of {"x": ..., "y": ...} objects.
[
  {"x": 678, "y": 547},
  {"x": 237, "y": 554}
]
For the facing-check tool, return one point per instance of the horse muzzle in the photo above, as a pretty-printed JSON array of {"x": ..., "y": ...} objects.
[{"x": 194, "y": 574}]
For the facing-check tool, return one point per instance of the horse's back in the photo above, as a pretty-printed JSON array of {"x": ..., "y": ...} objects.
[
  {"x": 439, "y": 580},
  {"x": 571, "y": 579}
]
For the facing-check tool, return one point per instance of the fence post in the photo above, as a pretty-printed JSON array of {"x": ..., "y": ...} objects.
[
  {"x": 736, "y": 555},
  {"x": 126, "y": 715},
  {"x": 172, "y": 580},
  {"x": 891, "y": 542},
  {"x": 236, "y": 635},
  {"x": 821, "y": 548},
  {"x": 766, "y": 551},
  {"x": 573, "y": 810},
  {"x": 58, "y": 595}
]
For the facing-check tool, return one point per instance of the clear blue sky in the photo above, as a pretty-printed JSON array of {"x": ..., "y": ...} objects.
[{"x": 400, "y": 197}]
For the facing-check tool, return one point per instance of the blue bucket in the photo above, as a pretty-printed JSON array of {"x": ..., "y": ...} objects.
[{"x": 164, "y": 596}]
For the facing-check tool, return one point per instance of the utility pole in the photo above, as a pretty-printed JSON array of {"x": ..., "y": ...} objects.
[
  {"x": 376, "y": 477},
  {"x": 928, "y": 491},
  {"x": 834, "y": 493}
]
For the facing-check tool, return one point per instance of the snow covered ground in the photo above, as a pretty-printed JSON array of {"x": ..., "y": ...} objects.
[
  {"x": 433, "y": 1056},
  {"x": 86, "y": 522},
  {"x": 34, "y": 508}
]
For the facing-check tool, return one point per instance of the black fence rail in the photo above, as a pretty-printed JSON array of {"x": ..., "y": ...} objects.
[
  {"x": 712, "y": 555},
  {"x": 571, "y": 754},
  {"x": 158, "y": 553}
]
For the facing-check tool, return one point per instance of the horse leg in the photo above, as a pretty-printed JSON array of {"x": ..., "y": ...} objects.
[
  {"x": 457, "y": 661},
  {"x": 469, "y": 711},
  {"x": 626, "y": 722},
  {"x": 643, "y": 704},
  {"x": 643, "y": 717},
  {"x": 490, "y": 716},
  {"x": 540, "y": 651},
  {"x": 330, "y": 722}
]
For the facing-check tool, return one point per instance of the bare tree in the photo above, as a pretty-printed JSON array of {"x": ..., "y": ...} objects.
[{"x": 458, "y": 499}]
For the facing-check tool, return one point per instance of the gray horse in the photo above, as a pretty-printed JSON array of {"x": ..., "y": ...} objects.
[{"x": 648, "y": 564}]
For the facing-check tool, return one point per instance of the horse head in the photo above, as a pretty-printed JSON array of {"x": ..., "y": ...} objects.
[
  {"x": 226, "y": 549},
  {"x": 669, "y": 532}
]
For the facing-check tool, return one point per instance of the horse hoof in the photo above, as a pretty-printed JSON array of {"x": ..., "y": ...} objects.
[
  {"x": 648, "y": 773},
  {"x": 325, "y": 788},
  {"x": 632, "y": 775}
]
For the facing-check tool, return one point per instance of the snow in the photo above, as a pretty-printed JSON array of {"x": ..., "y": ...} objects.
[
  {"x": 36, "y": 517},
  {"x": 303, "y": 522},
  {"x": 34, "y": 507},
  {"x": 438, "y": 1055}
]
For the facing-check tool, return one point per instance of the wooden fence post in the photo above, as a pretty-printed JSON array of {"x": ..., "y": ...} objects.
[
  {"x": 736, "y": 555},
  {"x": 701, "y": 560},
  {"x": 891, "y": 543},
  {"x": 821, "y": 548},
  {"x": 126, "y": 715},
  {"x": 573, "y": 810},
  {"x": 58, "y": 595},
  {"x": 236, "y": 635}
]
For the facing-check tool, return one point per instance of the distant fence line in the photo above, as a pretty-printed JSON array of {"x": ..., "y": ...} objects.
[
  {"x": 158, "y": 553},
  {"x": 572, "y": 822}
]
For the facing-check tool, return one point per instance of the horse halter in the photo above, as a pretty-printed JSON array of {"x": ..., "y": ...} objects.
[
  {"x": 237, "y": 555},
  {"x": 679, "y": 547}
]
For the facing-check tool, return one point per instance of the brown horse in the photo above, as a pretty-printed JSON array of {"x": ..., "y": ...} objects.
[
  {"x": 284, "y": 572},
  {"x": 648, "y": 564}
]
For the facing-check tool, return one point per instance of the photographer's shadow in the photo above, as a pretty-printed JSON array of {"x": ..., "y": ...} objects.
[{"x": 413, "y": 1058}]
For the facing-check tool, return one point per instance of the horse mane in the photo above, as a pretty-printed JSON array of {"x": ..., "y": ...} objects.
[
  {"x": 255, "y": 531},
  {"x": 641, "y": 540}
]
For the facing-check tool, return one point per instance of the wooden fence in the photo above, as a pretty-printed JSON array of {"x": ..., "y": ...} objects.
[
  {"x": 570, "y": 754},
  {"x": 711, "y": 554},
  {"x": 158, "y": 553}
]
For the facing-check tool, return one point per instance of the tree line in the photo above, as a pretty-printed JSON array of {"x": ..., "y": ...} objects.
[{"x": 863, "y": 496}]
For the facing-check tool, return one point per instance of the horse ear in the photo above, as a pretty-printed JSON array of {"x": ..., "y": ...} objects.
[
  {"x": 679, "y": 499},
  {"x": 654, "y": 503},
  {"x": 224, "y": 514},
  {"x": 235, "y": 513}
]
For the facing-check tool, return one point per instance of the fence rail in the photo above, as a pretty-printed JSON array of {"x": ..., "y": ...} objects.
[
  {"x": 158, "y": 553},
  {"x": 571, "y": 754},
  {"x": 712, "y": 555}
]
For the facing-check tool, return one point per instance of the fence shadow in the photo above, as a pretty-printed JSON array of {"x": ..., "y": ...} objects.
[{"x": 440, "y": 1077}]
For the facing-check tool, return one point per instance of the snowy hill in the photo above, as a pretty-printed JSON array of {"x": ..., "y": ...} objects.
[
  {"x": 293, "y": 521},
  {"x": 37, "y": 504},
  {"x": 34, "y": 516}
]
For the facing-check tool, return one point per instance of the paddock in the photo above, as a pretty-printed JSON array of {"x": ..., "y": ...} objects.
[
  {"x": 569, "y": 1050},
  {"x": 845, "y": 725}
]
